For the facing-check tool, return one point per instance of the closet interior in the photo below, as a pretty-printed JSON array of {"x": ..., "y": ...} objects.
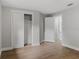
[{"x": 27, "y": 29}]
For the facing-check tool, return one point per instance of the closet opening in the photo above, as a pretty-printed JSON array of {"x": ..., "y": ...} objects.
[{"x": 27, "y": 29}]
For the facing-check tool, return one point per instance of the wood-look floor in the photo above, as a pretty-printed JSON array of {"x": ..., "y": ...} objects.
[{"x": 44, "y": 51}]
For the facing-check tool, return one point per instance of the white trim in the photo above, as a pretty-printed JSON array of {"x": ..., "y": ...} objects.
[
  {"x": 35, "y": 44},
  {"x": 5, "y": 49},
  {"x": 71, "y": 47},
  {"x": 49, "y": 40}
]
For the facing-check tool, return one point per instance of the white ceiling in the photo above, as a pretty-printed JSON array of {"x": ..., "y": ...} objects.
[{"x": 44, "y": 6}]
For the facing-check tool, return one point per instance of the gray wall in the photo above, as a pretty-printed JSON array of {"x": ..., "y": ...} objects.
[
  {"x": 70, "y": 25},
  {"x": 36, "y": 29},
  {"x": 42, "y": 18},
  {"x": 6, "y": 28},
  {"x": 0, "y": 27},
  {"x": 17, "y": 29}
]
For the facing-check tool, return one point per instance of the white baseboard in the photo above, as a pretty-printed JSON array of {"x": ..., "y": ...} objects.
[
  {"x": 49, "y": 41},
  {"x": 36, "y": 44},
  {"x": 5, "y": 49},
  {"x": 71, "y": 47}
]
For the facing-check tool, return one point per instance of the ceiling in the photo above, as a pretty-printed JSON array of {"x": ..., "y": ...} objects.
[{"x": 44, "y": 6}]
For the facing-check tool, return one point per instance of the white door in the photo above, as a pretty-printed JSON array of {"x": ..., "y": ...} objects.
[
  {"x": 17, "y": 30},
  {"x": 49, "y": 29}
]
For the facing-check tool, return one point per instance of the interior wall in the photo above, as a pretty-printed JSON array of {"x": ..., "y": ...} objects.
[
  {"x": 6, "y": 28},
  {"x": 37, "y": 29},
  {"x": 17, "y": 29},
  {"x": 58, "y": 27},
  {"x": 42, "y": 18},
  {"x": 0, "y": 27},
  {"x": 70, "y": 25}
]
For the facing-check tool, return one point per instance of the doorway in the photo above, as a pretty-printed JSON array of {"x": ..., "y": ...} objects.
[
  {"x": 27, "y": 29},
  {"x": 53, "y": 29},
  {"x": 49, "y": 29}
]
